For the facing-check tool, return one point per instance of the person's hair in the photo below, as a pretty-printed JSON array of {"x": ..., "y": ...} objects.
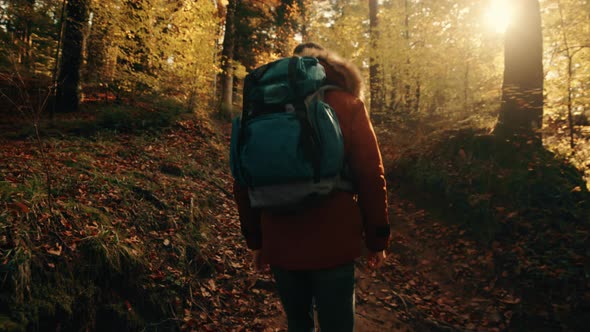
[{"x": 299, "y": 48}]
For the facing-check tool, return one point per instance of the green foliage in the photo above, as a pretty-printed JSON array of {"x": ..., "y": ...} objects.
[
  {"x": 527, "y": 206},
  {"x": 29, "y": 35},
  {"x": 566, "y": 93},
  {"x": 153, "y": 114},
  {"x": 124, "y": 119},
  {"x": 566, "y": 34},
  {"x": 121, "y": 240},
  {"x": 343, "y": 18},
  {"x": 162, "y": 47},
  {"x": 479, "y": 182},
  {"x": 8, "y": 325},
  {"x": 436, "y": 59},
  {"x": 267, "y": 30}
]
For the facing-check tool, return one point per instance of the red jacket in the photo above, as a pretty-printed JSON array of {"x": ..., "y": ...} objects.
[{"x": 331, "y": 233}]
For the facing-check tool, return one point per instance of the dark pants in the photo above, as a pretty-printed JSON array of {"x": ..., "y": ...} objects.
[{"x": 332, "y": 290}]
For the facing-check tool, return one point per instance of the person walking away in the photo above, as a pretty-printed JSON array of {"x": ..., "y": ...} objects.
[{"x": 311, "y": 251}]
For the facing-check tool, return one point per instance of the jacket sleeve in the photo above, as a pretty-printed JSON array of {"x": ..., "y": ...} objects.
[
  {"x": 249, "y": 218},
  {"x": 368, "y": 174}
]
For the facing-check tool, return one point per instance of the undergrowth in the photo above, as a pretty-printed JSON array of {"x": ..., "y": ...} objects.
[
  {"x": 480, "y": 182},
  {"x": 95, "y": 119},
  {"x": 117, "y": 247},
  {"x": 527, "y": 203}
]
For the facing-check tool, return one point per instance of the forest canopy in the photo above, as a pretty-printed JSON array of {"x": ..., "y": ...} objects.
[{"x": 429, "y": 63}]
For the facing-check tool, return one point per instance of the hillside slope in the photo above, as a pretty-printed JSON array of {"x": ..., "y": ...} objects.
[
  {"x": 508, "y": 223},
  {"x": 138, "y": 231}
]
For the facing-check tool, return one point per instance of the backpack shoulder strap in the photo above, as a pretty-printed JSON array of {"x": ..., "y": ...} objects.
[{"x": 319, "y": 94}]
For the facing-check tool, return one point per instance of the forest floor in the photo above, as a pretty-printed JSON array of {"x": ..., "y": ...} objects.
[
  {"x": 131, "y": 196},
  {"x": 416, "y": 289},
  {"x": 433, "y": 278}
]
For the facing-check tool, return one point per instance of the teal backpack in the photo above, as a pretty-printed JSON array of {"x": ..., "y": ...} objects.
[{"x": 287, "y": 146}]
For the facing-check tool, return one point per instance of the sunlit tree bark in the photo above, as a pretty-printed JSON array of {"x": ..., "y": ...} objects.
[
  {"x": 67, "y": 95},
  {"x": 375, "y": 86},
  {"x": 407, "y": 86},
  {"x": 227, "y": 57},
  {"x": 27, "y": 50},
  {"x": 521, "y": 112}
]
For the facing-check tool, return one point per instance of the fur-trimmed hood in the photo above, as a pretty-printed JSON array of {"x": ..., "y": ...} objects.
[{"x": 339, "y": 71}]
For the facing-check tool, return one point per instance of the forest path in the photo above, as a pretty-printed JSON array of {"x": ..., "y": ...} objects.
[
  {"x": 434, "y": 279},
  {"x": 240, "y": 299}
]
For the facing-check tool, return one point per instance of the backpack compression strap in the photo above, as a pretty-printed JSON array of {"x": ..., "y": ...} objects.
[
  {"x": 344, "y": 182},
  {"x": 309, "y": 139},
  {"x": 319, "y": 94}
]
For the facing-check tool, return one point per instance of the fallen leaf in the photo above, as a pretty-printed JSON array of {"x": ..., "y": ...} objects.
[
  {"x": 510, "y": 300},
  {"x": 55, "y": 251},
  {"x": 22, "y": 207}
]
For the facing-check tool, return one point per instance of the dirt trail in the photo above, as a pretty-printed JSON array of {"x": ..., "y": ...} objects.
[
  {"x": 375, "y": 310},
  {"x": 433, "y": 280},
  {"x": 253, "y": 304}
]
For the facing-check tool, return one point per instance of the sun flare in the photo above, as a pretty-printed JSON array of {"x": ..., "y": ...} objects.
[{"x": 498, "y": 15}]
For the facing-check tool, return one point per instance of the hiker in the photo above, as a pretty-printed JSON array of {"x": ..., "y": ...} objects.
[{"x": 311, "y": 251}]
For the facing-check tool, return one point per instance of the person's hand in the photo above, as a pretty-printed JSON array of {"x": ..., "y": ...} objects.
[
  {"x": 257, "y": 262},
  {"x": 375, "y": 259}
]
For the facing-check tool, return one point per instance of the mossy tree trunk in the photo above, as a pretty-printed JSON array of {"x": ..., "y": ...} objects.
[{"x": 521, "y": 112}]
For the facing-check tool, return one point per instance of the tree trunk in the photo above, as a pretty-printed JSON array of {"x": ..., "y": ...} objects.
[
  {"x": 305, "y": 7},
  {"x": 227, "y": 58},
  {"x": 407, "y": 86},
  {"x": 24, "y": 36},
  {"x": 375, "y": 87},
  {"x": 570, "y": 120},
  {"x": 466, "y": 87},
  {"x": 417, "y": 97},
  {"x": 521, "y": 112},
  {"x": 67, "y": 95},
  {"x": 54, "y": 78}
]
